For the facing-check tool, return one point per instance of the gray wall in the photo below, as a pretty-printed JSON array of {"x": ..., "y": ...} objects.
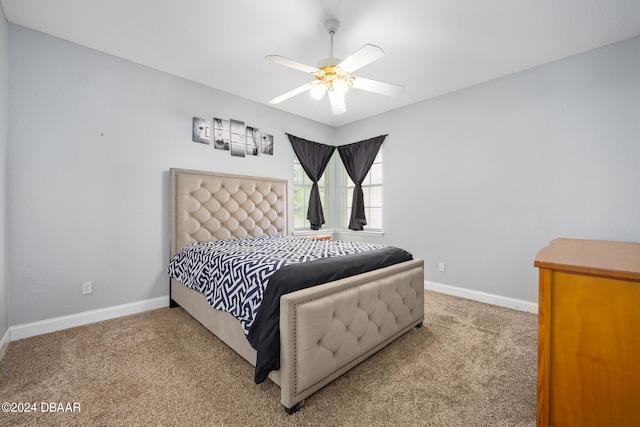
[
  {"x": 92, "y": 140},
  {"x": 4, "y": 137},
  {"x": 493, "y": 172},
  {"x": 500, "y": 169}
]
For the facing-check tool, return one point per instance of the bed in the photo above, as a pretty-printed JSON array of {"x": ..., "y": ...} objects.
[{"x": 324, "y": 330}]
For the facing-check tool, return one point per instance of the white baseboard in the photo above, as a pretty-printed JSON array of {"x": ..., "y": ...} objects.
[
  {"x": 64, "y": 322},
  {"x": 4, "y": 342},
  {"x": 499, "y": 300}
]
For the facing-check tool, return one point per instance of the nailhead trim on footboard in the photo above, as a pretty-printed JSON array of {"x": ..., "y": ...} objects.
[{"x": 335, "y": 330}]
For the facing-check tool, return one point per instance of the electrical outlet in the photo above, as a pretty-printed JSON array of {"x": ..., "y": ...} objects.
[
  {"x": 86, "y": 288},
  {"x": 441, "y": 267}
]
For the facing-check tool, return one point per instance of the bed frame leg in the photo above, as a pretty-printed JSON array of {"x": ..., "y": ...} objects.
[
  {"x": 295, "y": 408},
  {"x": 173, "y": 304},
  {"x": 419, "y": 325}
]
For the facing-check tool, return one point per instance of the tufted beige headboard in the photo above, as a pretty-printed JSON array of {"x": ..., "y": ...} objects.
[{"x": 209, "y": 206}]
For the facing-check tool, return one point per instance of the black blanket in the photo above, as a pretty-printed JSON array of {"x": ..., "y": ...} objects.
[{"x": 264, "y": 334}]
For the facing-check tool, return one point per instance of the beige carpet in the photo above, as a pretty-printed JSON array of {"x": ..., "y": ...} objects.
[{"x": 472, "y": 364}]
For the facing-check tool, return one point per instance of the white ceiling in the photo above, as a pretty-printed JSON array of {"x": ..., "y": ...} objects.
[{"x": 432, "y": 46}]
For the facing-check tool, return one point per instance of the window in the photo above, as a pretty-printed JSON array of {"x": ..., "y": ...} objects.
[
  {"x": 372, "y": 191},
  {"x": 301, "y": 191}
]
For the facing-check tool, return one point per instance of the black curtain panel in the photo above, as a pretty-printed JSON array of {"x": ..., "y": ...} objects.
[
  {"x": 313, "y": 158},
  {"x": 357, "y": 159}
]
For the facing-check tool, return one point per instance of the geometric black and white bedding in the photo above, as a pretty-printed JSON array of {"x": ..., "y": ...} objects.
[
  {"x": 264, "y": 335},
  {"x": 233, "y": 274}
]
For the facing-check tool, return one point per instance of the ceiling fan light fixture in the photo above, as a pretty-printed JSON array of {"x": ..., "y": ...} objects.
[{"x": 318, "y": 91}]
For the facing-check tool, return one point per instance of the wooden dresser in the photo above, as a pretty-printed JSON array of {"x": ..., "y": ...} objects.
[{"x": 589, "y": 333}]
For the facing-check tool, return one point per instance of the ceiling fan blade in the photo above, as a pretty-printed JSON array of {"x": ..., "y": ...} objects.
[
  {"x": 291, "y": 93},
  {"x": 376, "y": 86},
  {"x": 337, "y": 102},
  {"x": 292, "y": 64},
  {"x": 361, "y": 57}
]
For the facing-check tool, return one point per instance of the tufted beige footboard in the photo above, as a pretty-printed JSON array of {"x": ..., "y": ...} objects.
[{"x": 327, "y": 330}]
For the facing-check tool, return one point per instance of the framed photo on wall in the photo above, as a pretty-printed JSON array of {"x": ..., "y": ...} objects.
[
  {"x": 221, "y": 134},
  {"x": 253, "y": 141},
  {"x": 238, "y": 146},
  {"x": 267, "y": 144},
  {"x": 201, "y": 131}
]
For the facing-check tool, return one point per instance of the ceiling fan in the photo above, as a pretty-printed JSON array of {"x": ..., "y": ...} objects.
[{"x": 333, "y": 76}]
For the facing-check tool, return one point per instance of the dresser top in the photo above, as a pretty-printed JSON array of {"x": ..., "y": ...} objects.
[{"x": 617, "y": 260}]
